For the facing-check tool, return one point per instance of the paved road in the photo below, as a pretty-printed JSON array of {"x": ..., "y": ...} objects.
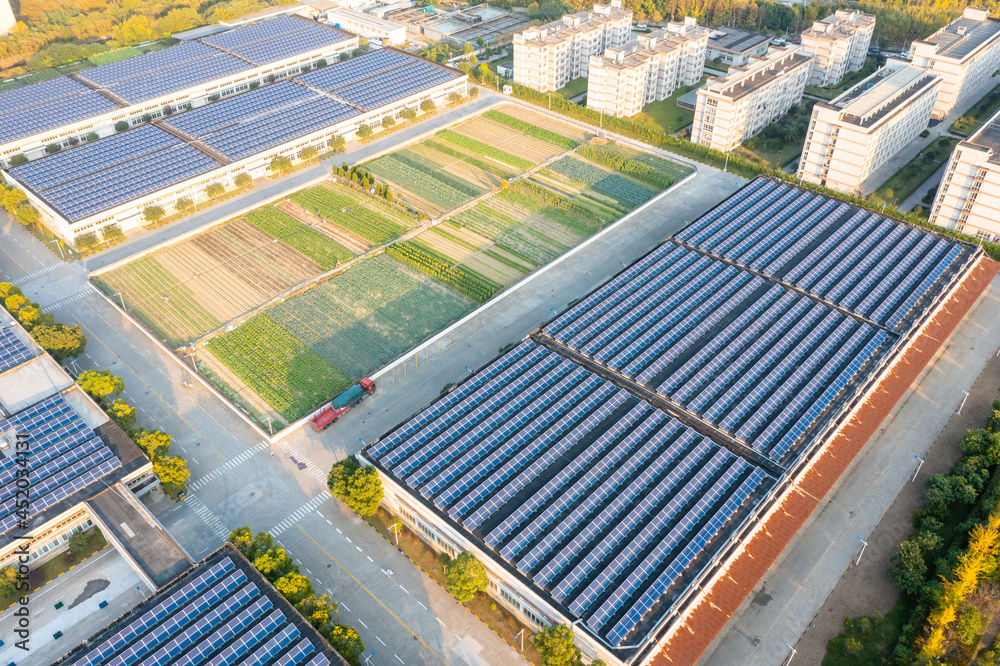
[
  {"x": 236, "y": 480},
  {"x": 797, "y": 587}
]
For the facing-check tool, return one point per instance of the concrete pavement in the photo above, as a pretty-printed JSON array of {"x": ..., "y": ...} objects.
[{"x": 798, "y": 585}]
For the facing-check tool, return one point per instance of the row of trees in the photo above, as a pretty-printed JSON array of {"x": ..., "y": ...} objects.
[
  {"x": 16, "y": 203},
  {"x": 320, "y": 611},
  {"x": 57, "y": 339}
]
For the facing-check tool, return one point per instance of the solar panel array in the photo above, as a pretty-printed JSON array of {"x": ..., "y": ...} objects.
[
  {"x": 377, "y": 78},
  {"x": 47, "y": 105},
  {"x": 12, "y": 351},
  {"x": 754, "y": 358},
  {"x": 602, "y": 501},
  {"x": 877, "y": 267},
  {"x": 598, "y": 497},
  {"x": 261, "y": 119},
  {"x": 220, "y": 616},
  {"x": 275, "y": 39},
  {"x": 65, "y": 457},
  {"x": 101, "y": 175}
]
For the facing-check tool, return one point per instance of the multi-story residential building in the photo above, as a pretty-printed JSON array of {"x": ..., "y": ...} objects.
[
  {"x": 735, "y": 47},
  {"x": 548, "y": 57},
  {"x": 968, "y": 198},
  {"x": 838, "y": 45},
  {"x": 735, "y": 107},
  {"x": 856, "y": 133},
  {"x": 624, "y": 80},
  {"x": 965, "y": 54}
]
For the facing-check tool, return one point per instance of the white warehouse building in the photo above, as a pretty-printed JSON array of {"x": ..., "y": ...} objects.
[
  {"x": 856, "y": 133},
  {"x": 624, "y": 80},
  {"x": 365, "y": 25},
  {"x": 67, "y": 111}
]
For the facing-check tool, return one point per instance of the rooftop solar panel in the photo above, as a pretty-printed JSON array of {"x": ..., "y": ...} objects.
[
  {"x": 31, "y": 112},
  {"x": 38, "y": 93},
  {"x": 12, "y": 351},
  {"x": 312, "y": 37},
  {"x": 173, "y": 78},
  {"x": 256, "y": 33}
]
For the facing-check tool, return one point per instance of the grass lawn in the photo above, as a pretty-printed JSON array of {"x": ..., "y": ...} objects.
[
  {"x": 482, "y": 605},
  {"x": 913, "y": 174},
  {"x": 978, "y": 114},
  {"x": 666, "y": 114},
  {"x": 58, "y": 565},
  {"x": 574, "y": 88},
  {"x": 833, "y": 91},
  {"x": 868, "y": 640},
  {"x": 774, "y": 158}
]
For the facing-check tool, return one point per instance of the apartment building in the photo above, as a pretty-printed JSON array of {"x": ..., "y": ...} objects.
[
  {"x": 734, "y": 46},
  {"x": 965, "y": 54},
  {"x": 856, "y": 133},
  {"x": 968, "y": 198},
  {"x": 838, "y": 45},
  {"x": 548, "y": 57},
  {"x": 735, "y": 107},
  {"x": 624, "y": 80}
]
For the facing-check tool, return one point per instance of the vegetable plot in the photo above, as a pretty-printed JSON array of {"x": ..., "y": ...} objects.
[
  {"x": 545, "y": 135},
  {"x": 612, "y": 184},
  {"x": 438, "y": 188},
  {"x": 322, "y": 249},
  {"x": 475, "y": 287},
  {"x": 481, "y": 148},
  {"x": 656, "y": 172},
  {"x": 349, "y": 214}
]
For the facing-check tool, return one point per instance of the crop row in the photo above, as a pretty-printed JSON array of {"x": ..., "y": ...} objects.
[
  {"x": 349, "y": 214},
  {"x": 289, "y": 376},
  {"x": 428, "y": 186},
  {"x": 481, "y": 148},
  {"x": 627, "y": 161},
  {"x": 548, "y": 136},
  {"x": 440, "y": 269},
  {"x": 465, "y": 187},
  {"x": 322, "y": 249},
  {"x": 611, "y": 184}
]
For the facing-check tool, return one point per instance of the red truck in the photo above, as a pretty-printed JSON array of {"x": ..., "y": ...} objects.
[{"x": 333, "y": 411}]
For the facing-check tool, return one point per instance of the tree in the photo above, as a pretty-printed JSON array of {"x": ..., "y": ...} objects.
[
  {"x": 7, "y": 289},
  {"x": 179, "y": 20},
  {"x": 555, "y": 644},
  {"x": 52, "y": 148},
  {"x": 15, "y": 302},
  {"x": 30, "y": 316},
  {"x": 466, "y": 577},
  {"x": 8, "y": 581},
  {"x": 364, "y": 131},
  {"x": 321, "y": 63},
  {"x": 427, "y": 105},
  {"x": 110, "y": 232},
  {"x": 473, "y": 93},
  {"x": 251, "y": 546},
  {"x": 970, "y": 626},
  {"x": 92, "y": 136},
  {"x": 153, "y": 214},
  {"x": 121, "y": 126},
  {"x": 79, "y": 542},
  {"x": 172, "y": 471},
  {"x": 465, "y": 66},
  {"x": 134, "y": 30},
  {"x": 468, "y": 48},
  {"x": 480, "y": 42},
  {"x": 340, "y": 476},
  {"x": 294, "y": 586},
  {"x": 183, "y": 204},
  {"x": 337, "y": 143},
  {"x": 154, "y": 443},
  {"x": 18, "y": 160},
  {"x": 318, "y": 611},
  {"x": 454, "y": 97},
  {"x": 26, "y": 215},
  {"x": 274, "y": 564},
  {"x": 347, "y": 642},
  {"x": 243, "y": 180},
  {"x": 308, "y": 152},
  {"x": 213, "y": 190},
  {"x": 388, "y": 122},
  {"x": 99, "y": 385},
  {"x": 408, "y": 114},
  {"x": 123, "y": 414},
  {"x": 365, "y": 491},
  {"x": 908, "y": 569},
  {"x": 280, "y": 164},
  {"x": 59, "y": 340}
]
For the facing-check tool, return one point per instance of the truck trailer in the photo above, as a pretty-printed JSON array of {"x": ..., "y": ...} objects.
[{"x": 341, "y": 403}]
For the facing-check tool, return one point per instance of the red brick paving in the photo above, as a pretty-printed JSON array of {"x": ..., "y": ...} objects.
[{"x": 726, "y": 594}]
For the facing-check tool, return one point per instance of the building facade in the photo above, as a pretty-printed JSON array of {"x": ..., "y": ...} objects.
[
  {"x": 856, "y": 133},
  {"x": 735, "y": 107},
  {"x": 548, "y": 57},
  {"x": 965, "y": 54},
  {"x": 624, "y": 80},
  {"x": 968, "y": 198},
  {"x": 838, "y": 45},
  {"x": 734, "y": 46},
  {"x": 370, "y": 27}
]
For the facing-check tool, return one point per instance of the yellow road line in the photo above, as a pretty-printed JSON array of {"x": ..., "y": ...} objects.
[{"x": 344, "y": 569}]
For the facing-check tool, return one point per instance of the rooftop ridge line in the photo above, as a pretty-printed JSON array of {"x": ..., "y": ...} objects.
[{"x": 674, "y": 409}]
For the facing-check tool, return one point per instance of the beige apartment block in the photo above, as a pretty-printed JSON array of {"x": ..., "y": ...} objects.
[
  {"x": 856, "y": 133},
  {"x": 968, "y": 198},
  {"x": 737, "y": 106},
  {"x": 838, "y": 45},
  {"x": 548, "y": 57},
  {"x": 964, "y": 53},
  {"x": 624, "y": 80}
]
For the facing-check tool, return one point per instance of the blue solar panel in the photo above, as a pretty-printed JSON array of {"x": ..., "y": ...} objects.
[
  {"x": 148, "y": 63},
  {"x": 12, "y": 351},
  {"x": 38, "y": 93},
  {"x": 258, "y": 32},
  {"x": 350, "y": 71},
  {"x": 28, "y": 111},
  {"x": 313, "y": 36},
  {"x": 177, "y": 77}
]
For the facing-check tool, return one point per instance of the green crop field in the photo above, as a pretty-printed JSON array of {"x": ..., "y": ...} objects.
[
  {"x": 283, "y": 371},
  {"x": 545, "y": 135},
  {"x": 480, "y": 148},
  {"x": 474, "y": 287},
  {"x": 353, "y": 212},
  {"x": 320, "y": 248},
  {"x": 361, "y": 320},
  {"x": 439, "y": 188},
  {"x": 653, "y": 170},
  {"x": 604, "y": 181}
]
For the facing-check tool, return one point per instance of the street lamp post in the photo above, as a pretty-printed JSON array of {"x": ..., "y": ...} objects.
[
  {"x": 394, "y": 528},
  {"x": 122, "y": 299},
  {"x": 864, "y": 544},
  {"x": 963, "y": 400},
  {"x": 521, "y": 634},
  {"x": 919, "y": 465},
  {"x": 59, "y": 245},
  {"x": 792, "y": 654}
]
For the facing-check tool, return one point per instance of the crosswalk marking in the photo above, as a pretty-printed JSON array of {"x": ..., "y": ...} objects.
[
  {"x": 311, "y": 467},
  {"x": 32, "y": 276},
  {"x": 206, "y": 515},
  {"x": 68, "y": 300},
  {"x": 300, "y": 513},
  {"x": 201, "y": 482}
]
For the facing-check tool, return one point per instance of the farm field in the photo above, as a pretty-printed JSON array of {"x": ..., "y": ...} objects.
[
  {"x": 459, "y": 164},
  {"x": 299, "y": 353}
]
